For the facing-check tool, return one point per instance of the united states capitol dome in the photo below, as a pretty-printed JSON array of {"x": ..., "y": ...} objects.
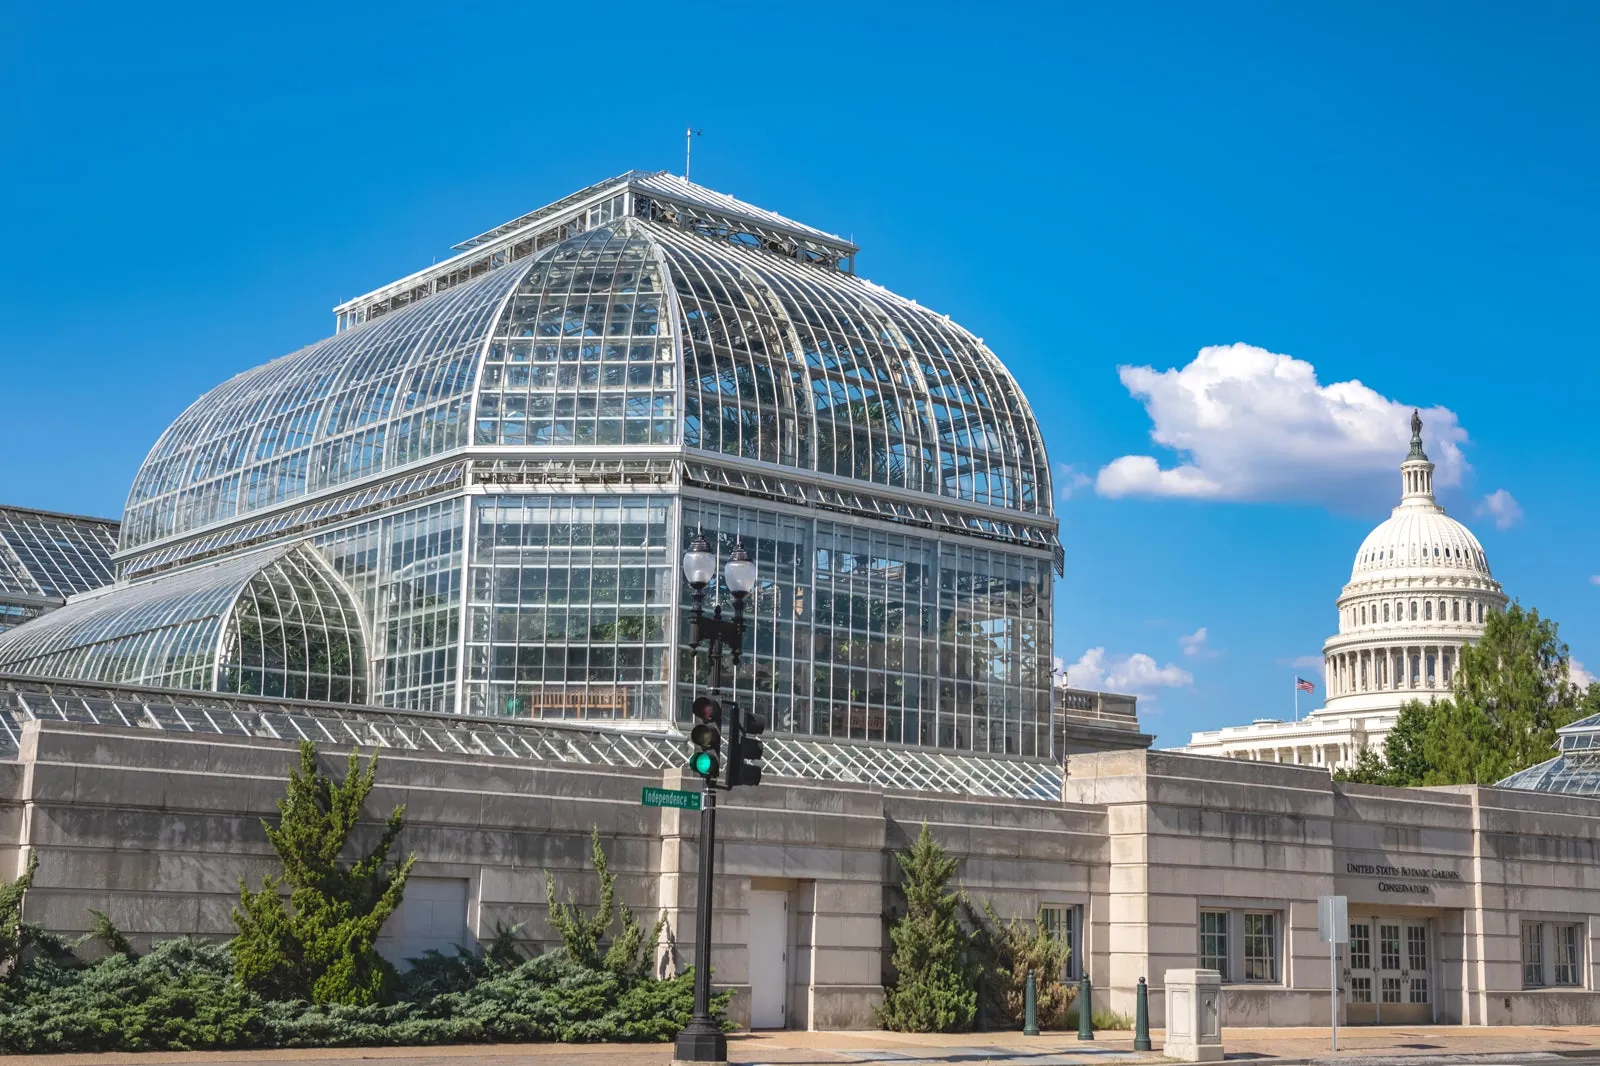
[{"x": 1420, "y": 589}]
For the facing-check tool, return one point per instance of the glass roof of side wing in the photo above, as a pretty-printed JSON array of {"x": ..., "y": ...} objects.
[
  {"x": 380, "y": 396},
  {"x": 164, "y": 631},
  {"x": 57, "y": 555}
]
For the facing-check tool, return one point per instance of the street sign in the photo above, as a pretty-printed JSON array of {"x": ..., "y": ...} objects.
[
  {"x": 1333, "y": 919},
  {"x": 681, "y": 799},
  {"x": 1333, "y": 928}
]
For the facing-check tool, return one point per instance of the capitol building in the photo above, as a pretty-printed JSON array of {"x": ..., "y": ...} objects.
[{"x": 1419, "y": 591}]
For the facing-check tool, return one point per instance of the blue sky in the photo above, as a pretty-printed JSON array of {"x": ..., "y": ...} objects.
[{"x": 1400, "y": 195}]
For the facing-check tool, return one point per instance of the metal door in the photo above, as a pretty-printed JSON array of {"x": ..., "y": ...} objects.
[
  {"x": 769, "y": 959},
  {"x": 1390, "y": 975}
]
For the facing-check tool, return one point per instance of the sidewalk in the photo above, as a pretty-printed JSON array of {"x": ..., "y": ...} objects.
[
  {"x": 1419, "y": 1045},
  {"x": 1270, "y": 1047}
]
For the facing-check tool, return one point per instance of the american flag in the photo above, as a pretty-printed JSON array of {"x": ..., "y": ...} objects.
[{"x": 1303, "y": 685}]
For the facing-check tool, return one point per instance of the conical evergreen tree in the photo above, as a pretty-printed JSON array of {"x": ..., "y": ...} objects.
[
  {"x": 323, "y": 946},
  {"x": 933, "y": 990}
]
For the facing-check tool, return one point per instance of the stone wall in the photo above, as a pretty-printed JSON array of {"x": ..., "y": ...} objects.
[
  {"x": 1193, "y": 832},
  {"x": 158, "y": 828}
]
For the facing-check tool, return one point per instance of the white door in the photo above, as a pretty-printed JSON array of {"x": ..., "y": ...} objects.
[
  {"x": 769, "y": 959},
  {"x": 432, "y": 915}
]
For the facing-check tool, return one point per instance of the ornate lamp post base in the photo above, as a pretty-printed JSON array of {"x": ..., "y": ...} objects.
[{"x": 708, "y": 1044}]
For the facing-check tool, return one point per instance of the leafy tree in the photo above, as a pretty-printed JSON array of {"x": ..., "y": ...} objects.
[
  {"x": 323, "y": 946},
  {"x": 629, "y": 955},
  {"x": 1404, "y": 759},
  {"x": 933, "y": 989},
  {"x": 1511, "y": 692},
  {"x": 1007, "y": 952}
]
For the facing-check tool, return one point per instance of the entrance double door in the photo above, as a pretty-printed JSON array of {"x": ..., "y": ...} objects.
[{"x": 1390, "y": 972}]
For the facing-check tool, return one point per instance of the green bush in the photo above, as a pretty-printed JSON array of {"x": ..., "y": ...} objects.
[
  {"x": 934, "y": 985},
  {"x": 1005, "y": 952},
  {"x": 309, "y": 976},
  {"x": 183, "y": 996},
  {"x": 323, "y": 946},
  {"x": 179, "y": 997}
]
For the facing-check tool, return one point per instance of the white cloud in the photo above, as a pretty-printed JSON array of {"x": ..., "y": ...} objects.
[
  {"x": 1502, "y": 507},
  {"x": 1578, "y": 675},
  {"x": 1194, "y": 645},
  {"x": 1137, "y": 674},
  {"x": 1305, "y": 662},
  {"x": 1070, "y": 479},
  {"x": 1249, "y": 424},
  {"x": 1594, "y": 579}
]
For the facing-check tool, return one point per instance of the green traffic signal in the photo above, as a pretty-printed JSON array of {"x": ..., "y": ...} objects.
[{"x": 705, "y": 763}]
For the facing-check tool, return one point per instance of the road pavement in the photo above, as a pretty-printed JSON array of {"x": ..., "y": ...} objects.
[{"x": 1388, "y": 1046}]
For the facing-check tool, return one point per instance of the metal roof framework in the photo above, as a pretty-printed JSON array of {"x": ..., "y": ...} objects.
[
  {"x": 24, "y": 698},
  {"x": 656, "y": 195},
  {"x": 1576, "y": 771}
]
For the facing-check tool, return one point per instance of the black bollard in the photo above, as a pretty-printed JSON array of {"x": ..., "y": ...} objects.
[
  {"x": 1141, "y": 1017},
  {"x": 1085, "y": 1008},
  {"x": 1030, "y": 1007}
]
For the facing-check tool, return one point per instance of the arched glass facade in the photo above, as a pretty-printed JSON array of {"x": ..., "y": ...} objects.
[
  {"x": 274, "y": 623},
  {"x": 473, "y": 498}
]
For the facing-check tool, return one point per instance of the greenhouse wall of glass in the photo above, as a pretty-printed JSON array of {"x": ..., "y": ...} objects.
[{"x": 472, "y": 498}]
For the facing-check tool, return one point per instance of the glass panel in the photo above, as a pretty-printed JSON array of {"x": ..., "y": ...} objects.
[
  {"x": 366, "y": 400},
  {"x": 55, "y": 556},
  {"x": 815, "y": 369},
  {"x": 884, "y": 637},
  {"x": 295, "y": 632},
  {"x": 1389, "y": 946},
  {"x": 1361, "y": 946},
  {"x": 568, "y": 605},
  {"x": 1532, "y": 955},
  {"x": 1569, "y": 955},
  {"x": 1416, "y": 947},
  {"x": 1214, "y": 942},
  {"x": 1260, "y": 947},
  {"x": 1419, "y": 990},
  {"x": 1360, "y": 990},
  {"x": 1391, "y": 990}
]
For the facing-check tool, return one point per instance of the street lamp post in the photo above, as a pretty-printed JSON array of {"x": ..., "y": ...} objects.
[{"x": 702, "y": 1040}]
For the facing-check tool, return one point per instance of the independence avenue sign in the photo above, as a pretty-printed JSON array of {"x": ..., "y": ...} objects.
[{"x": 670, "y": 797}]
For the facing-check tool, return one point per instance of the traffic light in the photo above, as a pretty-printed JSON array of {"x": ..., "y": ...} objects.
[
  {"x": 744, "y": 747},
  {"x": 706, "y": 736}
]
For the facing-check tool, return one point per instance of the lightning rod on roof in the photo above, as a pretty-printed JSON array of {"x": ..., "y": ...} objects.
[{"x": 689, "y": 133}]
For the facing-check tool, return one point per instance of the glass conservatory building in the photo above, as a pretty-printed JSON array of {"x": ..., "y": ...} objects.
[{"x": 472, "y": 498}]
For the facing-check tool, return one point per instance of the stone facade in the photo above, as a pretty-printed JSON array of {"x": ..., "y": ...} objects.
[{"x": 1166, "y": 857}]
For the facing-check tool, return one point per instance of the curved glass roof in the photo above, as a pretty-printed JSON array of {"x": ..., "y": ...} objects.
[
  {"x": 381, "y": 396},
  {"x": 642, "y": 331},
  {"x": 276, "y": 622}
]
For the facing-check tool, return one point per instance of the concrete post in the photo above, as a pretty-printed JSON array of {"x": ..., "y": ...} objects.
[{"x": 1194, "y": 1023}]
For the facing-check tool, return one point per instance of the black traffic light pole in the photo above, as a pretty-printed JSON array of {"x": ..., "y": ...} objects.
[{"x": 702, "y": 1040}]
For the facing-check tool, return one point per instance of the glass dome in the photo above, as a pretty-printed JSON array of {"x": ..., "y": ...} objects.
[
  {"x": 474, "y": 496},
  {"x": 632, "y": 334}
]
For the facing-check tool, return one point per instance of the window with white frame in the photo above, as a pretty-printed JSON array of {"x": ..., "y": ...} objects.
[
  {"x": 1214, "y": 942},
  {"x": 1568, "y": 953},
  {"x": 1552, "y": 954},
  {"x": 1065, "y": 921},
  {"x": 1532, "y": 954},
  {"x": 1260, "y": 946},
  {"x": 1241, "y": 944}
]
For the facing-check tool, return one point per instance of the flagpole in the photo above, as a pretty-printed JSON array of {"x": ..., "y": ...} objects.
[{"x": 1297, "y": 697}]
